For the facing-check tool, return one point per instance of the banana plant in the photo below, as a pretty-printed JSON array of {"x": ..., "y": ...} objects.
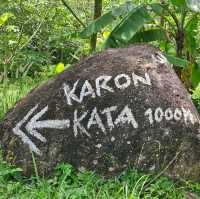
[{"x": 173, "y": 23}]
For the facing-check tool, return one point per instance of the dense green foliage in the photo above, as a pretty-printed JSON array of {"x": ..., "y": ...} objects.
[
  {"x": 170, "y": 25},
  {"x": 40, "y": 38},
  {"x": 35, "y": 35}
]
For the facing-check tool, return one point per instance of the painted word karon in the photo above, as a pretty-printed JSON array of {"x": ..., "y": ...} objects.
[{"x": 121, "y": 82}]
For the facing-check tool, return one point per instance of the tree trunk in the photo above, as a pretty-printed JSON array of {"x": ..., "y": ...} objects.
[
  {"x": 72, "y": 12},
  {"x": 97, "y": 14},
  {"x": 179, "y": 48},
  {"x": 186, "y": 73}
]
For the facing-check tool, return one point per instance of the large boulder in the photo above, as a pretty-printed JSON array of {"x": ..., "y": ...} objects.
[{"x": 120, "y": 108}]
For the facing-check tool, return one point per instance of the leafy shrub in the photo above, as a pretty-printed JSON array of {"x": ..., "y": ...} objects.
[{"x": 32, "y": 39}]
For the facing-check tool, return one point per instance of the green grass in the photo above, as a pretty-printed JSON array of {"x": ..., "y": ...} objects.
[
  {"x": 68, "y": 183},
  {"x": 11, "y": 92}
]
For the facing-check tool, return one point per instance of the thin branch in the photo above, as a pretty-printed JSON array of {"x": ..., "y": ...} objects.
[{"x": 72, "y": 12}]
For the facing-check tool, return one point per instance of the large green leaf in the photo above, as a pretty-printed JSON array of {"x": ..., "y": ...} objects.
[
  {"x": 191, "y": 33},
  {"x": 178, "y": 3},
  {"x": 97, "y": 25},
  {"x": 106, "y": 19},
  {"x": 177, "y": 61},
  {"x": 149, "y": 35},
  {"x": 192, "y": 24},
  {"x": 156, "y": 8},
  {"x": 134, "y": 22},
  {"x": 195, "y": 75},
  {"x": 190, "y": 43},
  {"x": 128, "y": 27}
]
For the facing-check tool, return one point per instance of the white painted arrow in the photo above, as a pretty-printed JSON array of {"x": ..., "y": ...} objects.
[{"x": 33, "y": 125}]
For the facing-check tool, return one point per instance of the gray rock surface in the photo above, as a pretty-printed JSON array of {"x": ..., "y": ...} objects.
[{"x": 123, "y": 107}]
